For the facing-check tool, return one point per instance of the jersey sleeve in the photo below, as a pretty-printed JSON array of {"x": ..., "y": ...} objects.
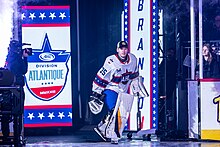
[{"x": 103, "y": 77}]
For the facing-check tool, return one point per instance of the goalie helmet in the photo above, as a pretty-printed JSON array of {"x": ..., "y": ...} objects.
[{"x": 96, "y": 106}]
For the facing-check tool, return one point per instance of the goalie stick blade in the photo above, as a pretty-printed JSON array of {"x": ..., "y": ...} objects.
[{"x": 100, "y": 134}]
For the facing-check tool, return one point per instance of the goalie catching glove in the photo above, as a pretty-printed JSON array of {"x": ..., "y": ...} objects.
[
  {"x": 96, "y": 102},
  {"x": 138, "y": 88}
]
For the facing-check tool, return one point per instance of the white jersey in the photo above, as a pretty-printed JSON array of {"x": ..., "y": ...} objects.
[{"x": 115, "y": 74}]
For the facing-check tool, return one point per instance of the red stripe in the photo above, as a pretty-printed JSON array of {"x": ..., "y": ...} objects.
[
  {"x": 209, "y": 80},
  {"x": 45, "y": 7},
  {"x": 47, "y": 106},
  {"x": 151, "y": 75},
  {"x": 129, "y": 30},
  {"x": 117, "y": 76},
  {"x": 47, "y": 125},
  {"x": 128, "y": 122},
  {"x": 142, "y": 122},
  {"x": 115, "y": 82},
  {"x": 47, "y": 25}
]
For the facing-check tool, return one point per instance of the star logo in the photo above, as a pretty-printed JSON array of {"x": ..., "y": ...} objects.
[
  {"x": 62, "y": 15},
  {"x": 70, "y": 115},
  {"x": 48, "y": 70},
  {"x": 61, "y": 115},
  {"x": 52, "y": 16},
  {"x": 42, "y": 16},
  {"x": 41, "y": 116},
  {"x": 51, "y": 115},
  {"x": 23, "y": 16},
  {"x": 30, "y": 116},
  {"x": 32, "y": 16}
]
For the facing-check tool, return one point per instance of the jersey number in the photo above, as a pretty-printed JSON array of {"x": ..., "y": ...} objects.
[{"x": 103, "y": 71}]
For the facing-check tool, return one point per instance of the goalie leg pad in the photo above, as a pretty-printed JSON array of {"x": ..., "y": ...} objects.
[{"x": 120, "y": 115}]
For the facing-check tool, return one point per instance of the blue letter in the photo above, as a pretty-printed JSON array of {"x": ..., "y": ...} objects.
[
  {"x": 140, "y": 45},
  {"x": 141, "y": 23},
  {"x": 31, "y": 77},
  {"x": 140, "y": 5},
  {"x": 141, "y": 63}
]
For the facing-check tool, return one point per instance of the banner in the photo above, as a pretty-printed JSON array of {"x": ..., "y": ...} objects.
[
  {"x": 48, "y": 96},
  {"x": 141, "y": 33},
  {"x": 210, "y": 110}
]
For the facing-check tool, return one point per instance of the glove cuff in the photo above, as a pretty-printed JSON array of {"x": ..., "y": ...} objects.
[{"x": 95, "y": 94}]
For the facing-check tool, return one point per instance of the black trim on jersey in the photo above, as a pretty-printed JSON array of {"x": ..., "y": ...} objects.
[{"x": 133, "y": 75}]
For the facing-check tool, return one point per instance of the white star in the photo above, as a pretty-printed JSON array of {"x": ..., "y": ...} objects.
[
  {"x": 154, "y": 26},
  {"x": 154, "y": 106},
  {"x": 154, "y": 91},
  {"x": 52, "y": 15},
  {"x": 30, "y": 115},
  {"x": 154, "y": 53},
  {"x": 154, "y": 112},
  {"x": 154, "y": 99},
  {"x": 61, "y": 115},
  {"x": 70, "y": 115},
  {"x": 126, "y": 4},
  {"x": 41, "y": 115},
  {"x": 154, "y": 13},
  {"x": 154, "y": 85},
  {"x": 62, "y": 15},
  {"x": 32, "y": 16},
  {"x": 42, "y": 16},
  {"x": 154, "y": 125},
  {"x": 126, "y": 29},
  {"x": 23, "y": 16},
  {"x": 154, "y": 7},
  {"x": 154, "y": 118},
  {"x": 126, "y": 16},
  {"x": 51, "y": 115},
  {"x": 126, "y": 36}
]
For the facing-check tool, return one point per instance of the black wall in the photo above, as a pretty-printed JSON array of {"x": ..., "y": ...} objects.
[{"x": 100, "y": 30}]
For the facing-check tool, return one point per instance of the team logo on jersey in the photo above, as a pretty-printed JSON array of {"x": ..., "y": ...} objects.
[
  {"x": 118, "y": 70},
  {"x": 47, "y": 71}
]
